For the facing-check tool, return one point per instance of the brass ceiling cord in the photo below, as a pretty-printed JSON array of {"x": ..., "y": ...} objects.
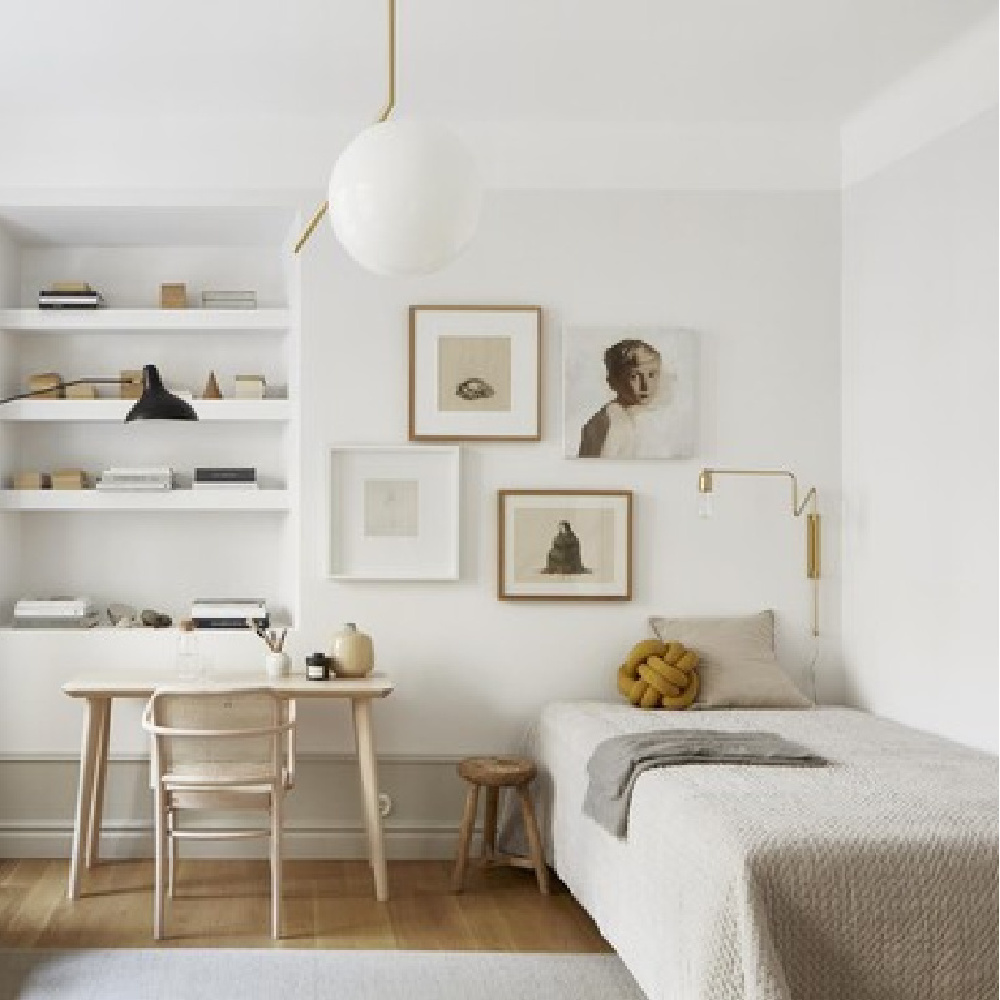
[
  {"x": 390, "y": 105},
  {"x": 705, "y": 486}
]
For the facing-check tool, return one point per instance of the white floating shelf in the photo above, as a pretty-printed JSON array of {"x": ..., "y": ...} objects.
[
  {"x": 114, "y": 410},
  {"x": 204, "y": 500},
  {"x": 144, "y": 320}
]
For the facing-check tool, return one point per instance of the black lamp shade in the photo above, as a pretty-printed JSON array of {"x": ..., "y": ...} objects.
[{"x": 156, "y": 403}]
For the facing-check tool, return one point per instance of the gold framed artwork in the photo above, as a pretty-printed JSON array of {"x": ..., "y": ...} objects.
[
  {"x": 565, "y": 545},
  {"x": 475, "y": 373}
]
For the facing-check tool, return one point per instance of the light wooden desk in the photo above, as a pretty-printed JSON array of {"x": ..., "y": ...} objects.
[{"x": 100, "y": 689}]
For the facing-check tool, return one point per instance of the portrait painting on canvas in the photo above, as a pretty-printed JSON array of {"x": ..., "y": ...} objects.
[{"x": 629, "y": 393}]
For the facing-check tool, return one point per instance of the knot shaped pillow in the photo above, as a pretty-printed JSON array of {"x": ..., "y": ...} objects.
[{"x": 659, "y": 675}]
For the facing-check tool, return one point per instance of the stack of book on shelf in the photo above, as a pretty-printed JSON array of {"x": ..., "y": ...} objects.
[
  {"x": 136, "y": 479},
  {"x": 70, "y": 295},
  {"x": 55, "y": 612},
  {"x": 228, "y": 300},
  {"x": 225, "y": 478},
  {"x": 229, "y": 612}
]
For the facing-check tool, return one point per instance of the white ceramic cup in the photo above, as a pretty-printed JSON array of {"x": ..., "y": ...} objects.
[{"x": 276, "y": 664}]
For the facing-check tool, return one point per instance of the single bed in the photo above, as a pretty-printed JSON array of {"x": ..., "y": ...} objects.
[{"x": 872, "y": 877}]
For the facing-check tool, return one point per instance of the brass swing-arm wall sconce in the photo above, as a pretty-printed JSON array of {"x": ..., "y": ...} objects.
[{"x": 811, "y": 499}]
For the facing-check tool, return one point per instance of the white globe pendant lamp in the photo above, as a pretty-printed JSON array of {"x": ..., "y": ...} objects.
[
  {"x": 404, "y": 198},
  {"x": 404, "y": 195}
]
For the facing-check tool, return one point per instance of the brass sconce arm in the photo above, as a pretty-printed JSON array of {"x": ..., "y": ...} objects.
[
  {"x": 811, "y": 499},
  {"x": 386, "y": 111}
]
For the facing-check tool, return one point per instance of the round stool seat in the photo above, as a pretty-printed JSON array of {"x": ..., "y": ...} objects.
[{"x": 497, "y": 772}]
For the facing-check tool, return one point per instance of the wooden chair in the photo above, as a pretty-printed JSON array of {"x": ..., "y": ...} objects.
[{"x": 219, "y": 749}]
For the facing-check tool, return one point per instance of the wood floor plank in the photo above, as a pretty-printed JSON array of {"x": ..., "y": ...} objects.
[{"x": 328, "y": 904}]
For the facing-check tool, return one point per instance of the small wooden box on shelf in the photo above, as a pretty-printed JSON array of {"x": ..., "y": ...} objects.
[
  {"x": 69, "y": 479},
  {"x": 45, "y": 385},
  {"x": 173, "y": 296}
]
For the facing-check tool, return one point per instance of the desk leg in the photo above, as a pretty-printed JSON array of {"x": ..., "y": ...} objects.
[
  {"x": 85, "y": 792},
  {"x": 101, "y": 771},
  {"x": 365, "y": 737}
]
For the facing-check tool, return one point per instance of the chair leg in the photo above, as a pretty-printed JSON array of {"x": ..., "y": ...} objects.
[
  {"x": 159, "y": 846},
  {"x": 468, "y": 821},
  {"x": 534, "y": 841},
  {"x": 276, "y": 864},
  {"x": 172, "y": 858}
]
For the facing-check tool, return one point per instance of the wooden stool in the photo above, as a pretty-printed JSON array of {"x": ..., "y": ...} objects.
[{"x": 494, "y": 773}]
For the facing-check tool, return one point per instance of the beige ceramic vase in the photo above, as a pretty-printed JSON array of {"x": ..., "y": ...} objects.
[{"x": 351, "y": 652}]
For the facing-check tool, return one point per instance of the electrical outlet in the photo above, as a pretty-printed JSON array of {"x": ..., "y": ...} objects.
[{"x": 384, "y": 804}]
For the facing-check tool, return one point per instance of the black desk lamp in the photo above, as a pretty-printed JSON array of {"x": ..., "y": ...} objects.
[{"x": 155, "y": 403}]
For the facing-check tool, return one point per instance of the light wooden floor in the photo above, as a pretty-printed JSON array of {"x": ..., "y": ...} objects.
[{"x": 328, "y": 904}]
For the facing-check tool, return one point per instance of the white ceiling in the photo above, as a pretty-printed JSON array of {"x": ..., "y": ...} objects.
[{"x": 494, "y": 60}]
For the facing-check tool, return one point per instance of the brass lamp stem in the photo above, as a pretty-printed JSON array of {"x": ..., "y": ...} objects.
[
  {"x": 813, "y": 548},
  {"x": 390, "y": 105}
]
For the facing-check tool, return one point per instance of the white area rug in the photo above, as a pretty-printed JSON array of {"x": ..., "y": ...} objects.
[{"x": 232, "y": 974}]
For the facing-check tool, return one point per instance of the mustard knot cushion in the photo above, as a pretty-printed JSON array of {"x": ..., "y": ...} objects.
[{"x": 659, "y": 675}]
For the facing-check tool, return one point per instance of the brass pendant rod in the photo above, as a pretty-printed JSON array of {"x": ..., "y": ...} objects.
[{"x": 386, "y": 111}]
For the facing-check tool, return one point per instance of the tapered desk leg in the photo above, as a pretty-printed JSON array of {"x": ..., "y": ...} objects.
[
  {"x": 103, "y": 709},
  {"x": 85, "y": 792},
  {"x": 365, "y": 737}
]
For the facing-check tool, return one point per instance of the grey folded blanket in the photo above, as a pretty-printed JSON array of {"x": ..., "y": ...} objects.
[{"x": 616, "y": 764}]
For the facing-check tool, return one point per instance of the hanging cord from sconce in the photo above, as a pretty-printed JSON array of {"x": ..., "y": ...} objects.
[
  {"x": 809, "y": 675},
  {"x": 387, "y": 110}
]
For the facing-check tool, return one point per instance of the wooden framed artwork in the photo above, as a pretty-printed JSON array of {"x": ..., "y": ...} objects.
[
  {"x": 394, "y": 513},
  {"x": 475, "y": 373},
  {"x": 629, "y": 393},
  {"x": 565, "y": 545}
]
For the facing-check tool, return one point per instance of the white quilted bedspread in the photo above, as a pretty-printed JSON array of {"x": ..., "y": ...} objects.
[{"x": 874, "y": 877}]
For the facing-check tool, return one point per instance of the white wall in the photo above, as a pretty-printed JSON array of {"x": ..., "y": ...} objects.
[
  {"x": 756, "y": 275},
  {"x": 920, "y": 436}
]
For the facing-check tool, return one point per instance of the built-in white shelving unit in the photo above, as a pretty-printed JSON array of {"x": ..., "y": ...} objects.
[
  {"x": 236, "y": 501},
  {"x": 114, "y": 410},
  {"x": 158, "y": 550},
  {"x": 64, "y": 321}
]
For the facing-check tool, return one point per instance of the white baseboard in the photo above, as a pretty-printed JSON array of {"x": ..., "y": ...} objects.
[{"x": 127, "y": 841}]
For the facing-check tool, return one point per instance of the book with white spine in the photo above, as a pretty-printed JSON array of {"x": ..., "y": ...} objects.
[{"x": 53, "y": 607}]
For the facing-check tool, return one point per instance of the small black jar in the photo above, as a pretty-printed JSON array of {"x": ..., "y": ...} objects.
[{"x": 317, "y": 667}]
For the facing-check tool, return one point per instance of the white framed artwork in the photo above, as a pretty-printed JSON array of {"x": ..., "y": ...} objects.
[
  {"x": 394, "y": 513},
  {"x": 629, "y": 393}
]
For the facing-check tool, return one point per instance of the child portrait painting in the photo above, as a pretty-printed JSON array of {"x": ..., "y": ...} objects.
[{"x": 629, "y": 393}]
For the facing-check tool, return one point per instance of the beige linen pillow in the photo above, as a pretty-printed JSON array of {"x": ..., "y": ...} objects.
[{"x": 738, "y": 667}]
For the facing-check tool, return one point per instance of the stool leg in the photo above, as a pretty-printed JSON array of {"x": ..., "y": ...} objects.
[
  {"x": 490, "y": 823},
  {"x": 534, "y": 841},
  {"x": 468, "y": 821}
]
